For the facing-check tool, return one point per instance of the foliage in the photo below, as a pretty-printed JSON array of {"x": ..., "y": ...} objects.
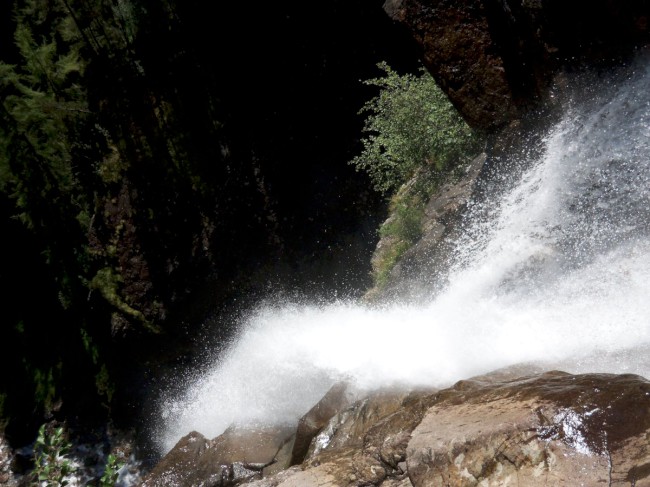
[
  {"x": 410, "y": 124},
  {"x": 414, "y": 139},
  {"x": 50, "y": 451},
  {"x": 405, "y": 222},
  {"x": 117, "y": 193},
  {"x": 43, "y": 107},
  {"x": 111, "y": 471},
  {"x": 107, "y": 282},
  {"x": 402, "y": 229}
]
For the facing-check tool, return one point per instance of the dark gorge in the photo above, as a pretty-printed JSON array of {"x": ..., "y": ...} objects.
[{"x": 198, "y": 155}]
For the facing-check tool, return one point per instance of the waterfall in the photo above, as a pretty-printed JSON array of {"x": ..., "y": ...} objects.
[{"x": 554, "y": 270}]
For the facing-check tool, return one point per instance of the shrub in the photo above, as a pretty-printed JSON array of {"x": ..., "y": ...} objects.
[
  {"x": 111, "y": 471},
  {"x": 50, "y": 451},
  {"x": 410, "y": 124}
]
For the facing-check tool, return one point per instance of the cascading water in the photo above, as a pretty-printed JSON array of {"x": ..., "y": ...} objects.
[{"x": 555, "y": 271}]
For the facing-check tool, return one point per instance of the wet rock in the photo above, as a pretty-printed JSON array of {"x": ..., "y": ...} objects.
[
  {"x": 249, "y": 446},
  {"x": 553, "y": 428},
  {"x": 178, "y": 466},
  {"x": 336, "y": 399},
  {"x": 348, "y": 428},
  {"x": 360, "y": 440},
  {"x": 7, "y": 476},
  {"x": 282, "y": 459},
  {"x": 549, "y": 428},
  {"x": 237, "y": 455}
]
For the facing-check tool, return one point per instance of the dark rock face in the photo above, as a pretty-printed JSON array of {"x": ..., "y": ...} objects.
[
  {"x": 496, "y": 58},
  {"x": 459, "y": 51},
  {"x": 548, "y": 428}
]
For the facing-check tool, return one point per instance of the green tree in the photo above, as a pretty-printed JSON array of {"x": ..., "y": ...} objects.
[
  {"x": 410, "y": 124},
  {"x": 45, "y": 164}
]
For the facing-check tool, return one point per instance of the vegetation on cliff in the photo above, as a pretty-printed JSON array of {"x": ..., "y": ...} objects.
[
  {"x": 414, "y": 139},
  {"x": 410, "y": 125},
  {"x": 143, "y": 159},
  {"x": 100, "y": 153}
]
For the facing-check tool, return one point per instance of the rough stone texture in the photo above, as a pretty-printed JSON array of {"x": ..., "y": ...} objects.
[
  {"x": 496, "y": 58},
  {"x": 234, "y": 456},
  {"x": 282, "y": 459},
  {"x": 459, "y": 51},
  {"x": 7, "y": 476},
  {"x": 551, "y": 429},
  {"x": 336, "y": 399},
  {"x": 361, "y": 445},
  {"x": 178, "y": 466},
  {"x": 348, "y": 428},
  {"x": 497, "y": 429},
  {"x": 418, "y": 269}
]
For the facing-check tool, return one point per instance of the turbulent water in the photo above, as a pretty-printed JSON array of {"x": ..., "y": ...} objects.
[{"x": 554, "y": 270}]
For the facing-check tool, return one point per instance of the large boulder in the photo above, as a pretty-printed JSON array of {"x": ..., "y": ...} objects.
[
  {"x": 496, "y": 59},
  {"x": 364, "y": 444},
  {"x": 233, "y": 457},
  {"x": 337, "y": 398},
  {"x": 497, "y": 429},
  {"x": 550, "y": 429}
]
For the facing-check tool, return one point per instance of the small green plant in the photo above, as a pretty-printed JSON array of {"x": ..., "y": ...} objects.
[
  {"x": 111, "y": 471},
  {"x": 406, "y": 221},
  {"x": 50, "y": 451},
  {"x": 410, "y": 125},
  {"x": 399, "y": 233}
]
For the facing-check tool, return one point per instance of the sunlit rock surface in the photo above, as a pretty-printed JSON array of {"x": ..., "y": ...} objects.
[
  {"x": 236, "y": 455},
  {"x": 549, "y": 428}
]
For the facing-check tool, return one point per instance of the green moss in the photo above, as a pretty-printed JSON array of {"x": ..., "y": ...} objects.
[
  {"x": 406, "y": 220},
  {"x": 104, "y": 384},
  {"x": 108, "y": 283},
  {"x": 386, "y": 263},
  {"x": 44, "y": 387},
  {"x": 402, "y": 229}
]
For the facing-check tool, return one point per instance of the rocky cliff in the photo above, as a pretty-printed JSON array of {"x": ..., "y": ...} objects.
[
  {"x": 508, "y": 67},
  {"x": 497, "y": 58}
]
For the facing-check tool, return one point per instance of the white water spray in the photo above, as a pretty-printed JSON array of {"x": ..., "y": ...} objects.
[{"x": 558, "y": 274}]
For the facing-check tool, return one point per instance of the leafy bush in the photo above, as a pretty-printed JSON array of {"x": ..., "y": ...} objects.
[
  {"x": 52, "y": 468},
  {"x": 50, "y": 450},
  {"x": 111, "y": 471},
  {"x": 410, "y": 124}
]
